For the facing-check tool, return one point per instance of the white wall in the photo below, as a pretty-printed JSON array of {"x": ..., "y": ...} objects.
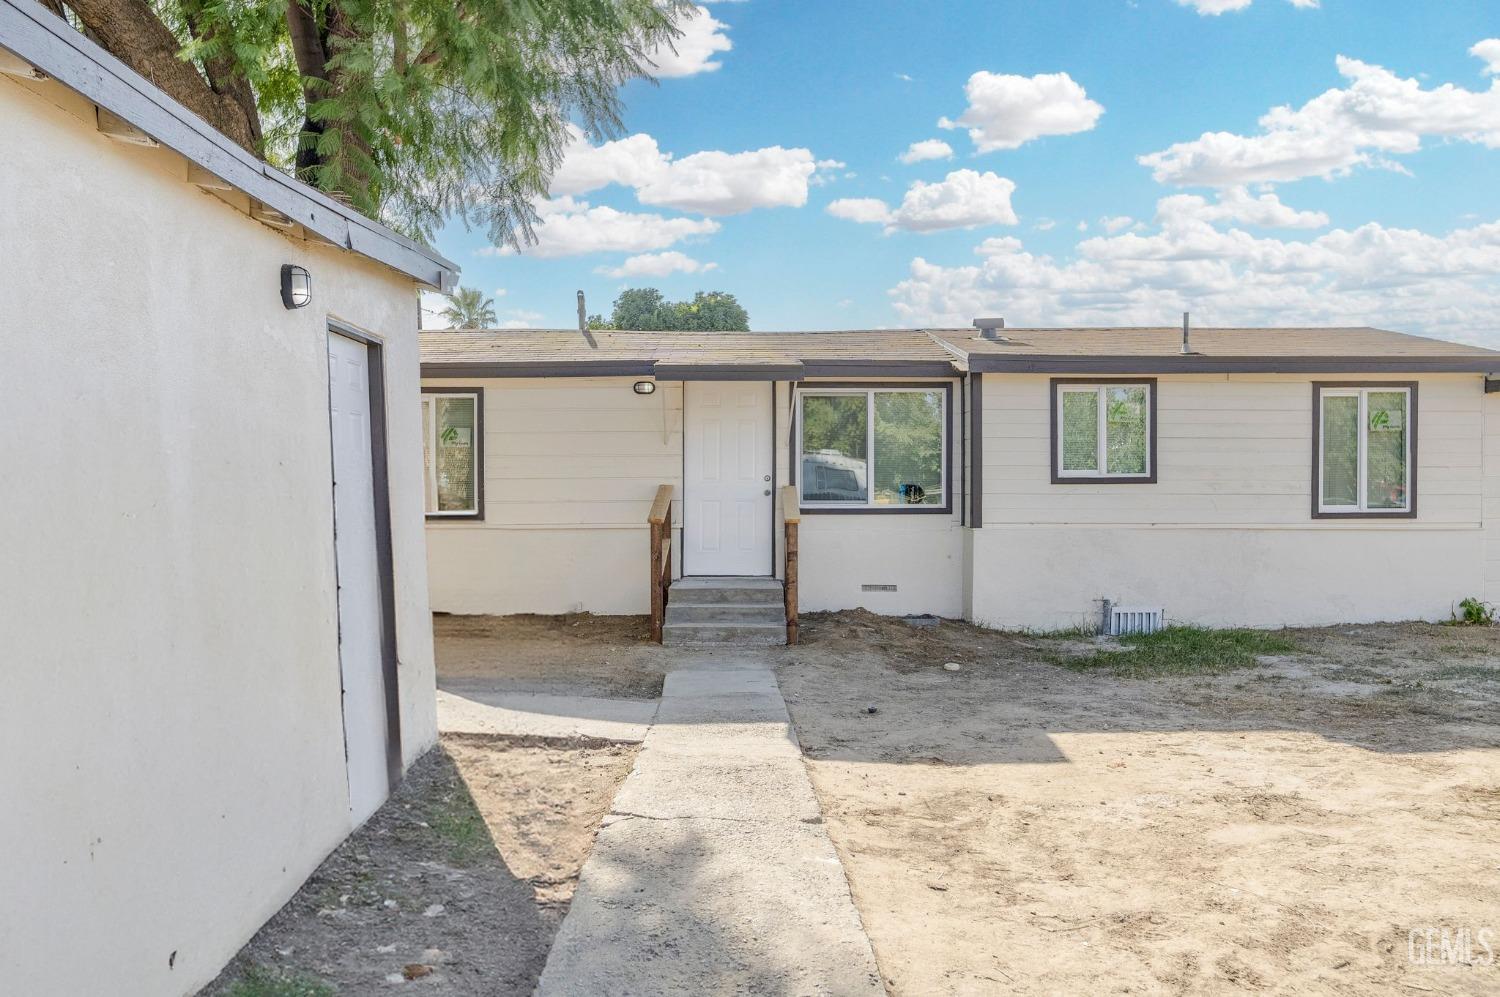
[
  {"x": 171, "y": 724},
  {"x": 1225, "y": 536},
  {"x": 571, "y": 468}
]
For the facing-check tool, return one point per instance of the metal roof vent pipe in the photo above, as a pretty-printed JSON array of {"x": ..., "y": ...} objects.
[
  {"x": 1186, "y": 331},
  {"x": 583, "y": 323},
  {"x": 989, "y": 328}
]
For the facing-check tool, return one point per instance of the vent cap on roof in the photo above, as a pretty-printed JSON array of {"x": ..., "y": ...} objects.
[{"x": 989, "y": 328}]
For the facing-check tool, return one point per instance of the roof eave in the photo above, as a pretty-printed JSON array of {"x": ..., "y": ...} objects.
[
  {"x": 1126, "y": 364},
  {"x": 49, "y": 43}
]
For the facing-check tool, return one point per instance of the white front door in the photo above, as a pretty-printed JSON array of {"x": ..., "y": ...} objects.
[
  {"x": 726, "y": 527},
  {"x": 360, "y": 623}
]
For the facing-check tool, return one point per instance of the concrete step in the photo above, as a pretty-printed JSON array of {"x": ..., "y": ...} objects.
[
  {"x": 738, "y": 634},
  {"x": 734, "y": 591},
  {"x": 725, "y": 612}
]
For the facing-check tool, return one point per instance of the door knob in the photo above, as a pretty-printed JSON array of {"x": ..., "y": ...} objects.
[
  {"x": 766, "y": 478},
  {"x": 768, "y": 491}
]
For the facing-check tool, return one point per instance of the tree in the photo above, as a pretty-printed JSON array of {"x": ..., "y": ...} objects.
[
  {"x": 413, "y": 111},
  {"x": 468, "y": 308},
  {"x": 645, "y": 309}
]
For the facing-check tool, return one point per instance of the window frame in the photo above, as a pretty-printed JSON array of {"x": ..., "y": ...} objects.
[
  {"x": 469, "y": 515},
  {"x": 1101, "y": 477},
  {"x": 1363, "y": 388},
  {"x": 869, "y": 389}
]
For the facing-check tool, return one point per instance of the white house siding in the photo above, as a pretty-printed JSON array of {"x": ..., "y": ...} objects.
[
  {"x": 171, "y": 722},
  {"x": 1491, "y": 507},
  {"x": 1225, "y": 536},
  {"x": 571, "y": 468},
  {"x": 921, "y": 554}
]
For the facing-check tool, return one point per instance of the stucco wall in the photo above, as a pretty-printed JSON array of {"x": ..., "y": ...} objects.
[
  {"x": 1225, "y": 536},
  {"x": 171, "y": 724}
]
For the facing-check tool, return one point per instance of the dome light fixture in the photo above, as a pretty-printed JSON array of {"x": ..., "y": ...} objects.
[{"x": 644, "y": 387}]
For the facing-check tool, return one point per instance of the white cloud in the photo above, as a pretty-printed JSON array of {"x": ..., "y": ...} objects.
[
  {"x": 962, "y": 199},
  {"x": 1116, "y": 223},
  {"x": 1083, "y": 226},
  {"x": 860, "y": 209},
  {"x": 1217, "y": 7},
  {"x": 904, "y": 77},
  {"x": 710, "y": 182},
  {"x": 1006, "y": 112},
  {"x": 1045, "y": 225},
  {"x": 930, "y": 148},
  {"x": 500, "y": 292},
  {"x": 1489, "y": 51},
  {"x": 703, "y": 37},
  {"x": 656, "y": 265},
  {"x": 568, "y": 227},
  {"x": 1378, "y": 115},
  {"x": 1372, "y": 275},
  {"x": 825, "y": 171},
  {"x": 515, "y": 323},
  {"x": 1236, "y": 204}
]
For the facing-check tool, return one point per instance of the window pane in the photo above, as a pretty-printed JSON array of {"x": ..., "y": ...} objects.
[
  {"x": 833, "y": 448},
  {"x": 455, "y": 454},
  {"x": 430, "y": 503},
  {"x": 1080, "y": 430},
  {"x": 1125, "y": 430},
  {"x": 1385, "y": 450},
  {"x": 908, "y": 448},
  {"x": 1340, "y": 450}
]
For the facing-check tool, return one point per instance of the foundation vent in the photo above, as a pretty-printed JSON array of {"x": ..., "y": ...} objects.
[
  {"x": 1134, "y": 620},
  {"x": 877, "y": 588}
]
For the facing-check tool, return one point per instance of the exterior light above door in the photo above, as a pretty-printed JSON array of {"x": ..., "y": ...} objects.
[
  {"x": 296, "y": 286},
  {"x": 644, "y": 387}
]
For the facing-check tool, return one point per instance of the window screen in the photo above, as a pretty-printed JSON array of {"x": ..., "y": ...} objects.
[
  {"x": 1364, "y": 449},
  {"x": 1103, "y": 431}
]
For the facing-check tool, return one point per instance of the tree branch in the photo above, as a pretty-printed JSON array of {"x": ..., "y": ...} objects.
[{"x": 132, "y": 32}]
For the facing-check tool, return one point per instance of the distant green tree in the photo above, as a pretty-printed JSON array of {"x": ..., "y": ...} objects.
[
  {"x": 647, "y": 310},
  {"x": 468, "y": 308}
]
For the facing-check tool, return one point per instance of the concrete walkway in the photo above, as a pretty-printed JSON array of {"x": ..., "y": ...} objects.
[
  {"x": 473, "y": 706},
  {"x": 714, "y": 873}
]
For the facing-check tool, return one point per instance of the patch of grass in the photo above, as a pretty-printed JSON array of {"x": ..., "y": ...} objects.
[
  {"x": 1079, "y": 632},
  {"x": 458, "y": 822},
  {"x": 262, "y": 981},
  {"x": 1475, "y": 673},
  {"x": 1183, "y": 651}
]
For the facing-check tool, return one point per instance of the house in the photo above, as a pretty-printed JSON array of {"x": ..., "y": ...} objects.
[
  {"x": 216, "y": 660},
  {"x": 1012, "y": 477}
]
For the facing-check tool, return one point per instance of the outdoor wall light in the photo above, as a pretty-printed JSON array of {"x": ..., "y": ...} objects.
[
  {"x": 296, "y": 286},
  {"x": 644, "y": 387}
]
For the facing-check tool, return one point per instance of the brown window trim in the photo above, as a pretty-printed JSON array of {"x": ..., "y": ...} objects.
[
  {"x": 1104, "y": 479},
  {"x": 477, "y": 516},
  {"x": 795, "y": 441},
  {"x": 1410, "y": 512}
]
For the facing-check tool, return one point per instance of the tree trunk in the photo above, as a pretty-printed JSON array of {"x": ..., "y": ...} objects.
[
  {"x": 224, "y": 76},
  {"x": 131, "y": 31}
]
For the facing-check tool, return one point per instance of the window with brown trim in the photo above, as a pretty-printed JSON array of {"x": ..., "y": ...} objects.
[
  {"x": 453, "y": 452},
  {"x": 1364, "y": 449},
  {"x": 1103, "y": 432},
  {"x": 873, "y": 448}
]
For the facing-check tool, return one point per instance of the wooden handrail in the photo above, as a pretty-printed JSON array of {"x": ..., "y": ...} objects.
[
  {"x": 662, "y": 507},
  {"x": 660, "y": 521},
  {"x": 791, "y": 518}
]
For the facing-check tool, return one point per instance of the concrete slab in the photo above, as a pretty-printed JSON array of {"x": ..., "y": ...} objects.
[
  {"x": 474, "y": 707},
  {"x": 714, "y": 873}
]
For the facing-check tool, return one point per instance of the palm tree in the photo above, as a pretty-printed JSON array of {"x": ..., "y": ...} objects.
[{"x": 468, "y": 308}]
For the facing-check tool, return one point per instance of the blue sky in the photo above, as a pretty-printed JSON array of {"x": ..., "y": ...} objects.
[{"x": 767, "y": 162}]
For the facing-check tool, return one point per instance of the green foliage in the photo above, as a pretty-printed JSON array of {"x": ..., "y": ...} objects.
[
  {"x": 468, "y": 308},
  {"x": 1474, "y": 612},
  {"x": 1182, "y": 651},
  {"x": 415, "y": 111},
  {"x": 459, "y": 823},
  {"x": 261, "y": 981},
  {"x": 645, "y": 309}
]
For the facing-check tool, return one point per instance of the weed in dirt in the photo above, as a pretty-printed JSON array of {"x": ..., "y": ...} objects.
[
  {"x": 1067, "y": 633},
  {"x": 260, "y": 981},
  {"x": 458, "y": 822},
  {"x": 1468, "y": 673},
  {"x": 1182, "y": 651}
]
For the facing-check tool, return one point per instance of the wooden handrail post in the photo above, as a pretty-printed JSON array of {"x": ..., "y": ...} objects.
[
  {"x": 791, "y": 518},
  {"x": 660, "y": 521}
]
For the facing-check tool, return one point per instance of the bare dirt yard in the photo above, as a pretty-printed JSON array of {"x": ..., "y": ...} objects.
[
  {"x": 1036, "y": 822},
  {"x": 456, "y": 886}
]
